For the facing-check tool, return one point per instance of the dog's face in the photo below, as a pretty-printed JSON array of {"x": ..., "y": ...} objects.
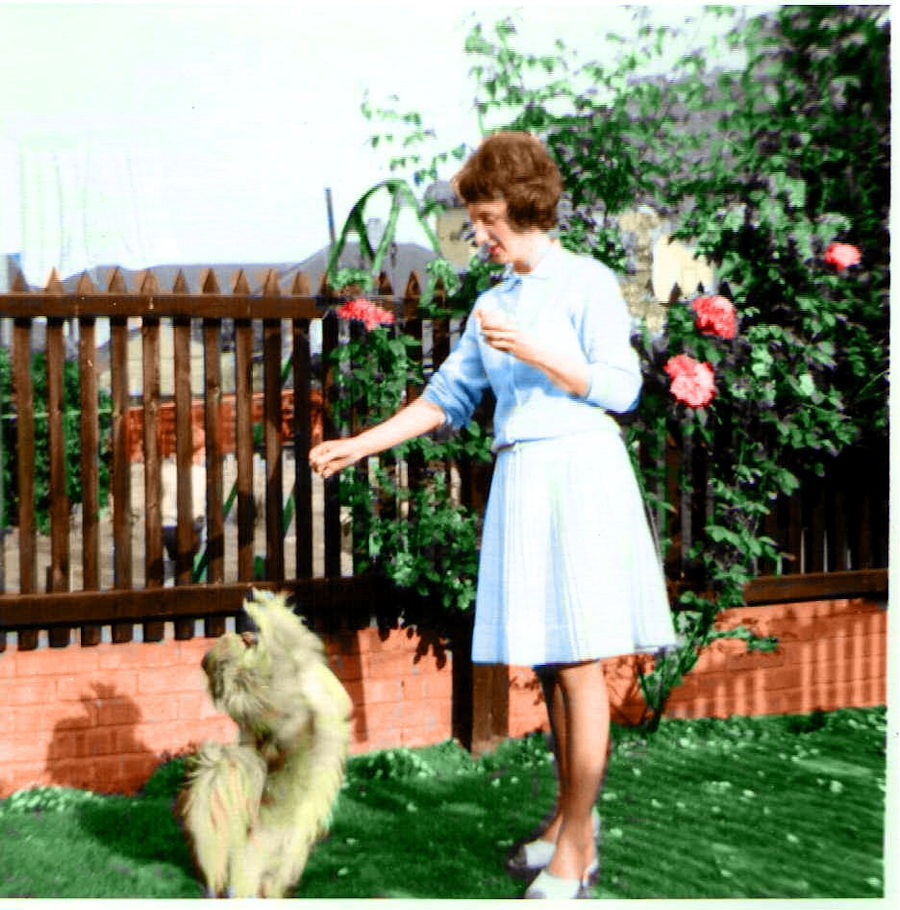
[
  {"x": 239, "y": 671},
  {"x": 252, "y": 675},
  {"x": 228, "y": 663}
]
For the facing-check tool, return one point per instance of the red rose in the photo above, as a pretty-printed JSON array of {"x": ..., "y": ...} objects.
[
  {"x": 841, "y": 255},
  {"x": 693, "y": 382},
  {"x": 715, "y": 316},
  {"x": 366, "y": 312}
]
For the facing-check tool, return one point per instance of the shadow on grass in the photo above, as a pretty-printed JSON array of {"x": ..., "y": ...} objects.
[
  {"x": 760, "y": 806},
  {"x": 435, "y": 836},
  {"x": 144, "y": 828},
  {"x": 426, "y": 837}
]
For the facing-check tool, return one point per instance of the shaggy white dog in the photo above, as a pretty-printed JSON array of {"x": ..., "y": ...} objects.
[{"x": 253, "y": 810}]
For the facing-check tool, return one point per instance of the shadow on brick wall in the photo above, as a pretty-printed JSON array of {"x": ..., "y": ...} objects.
[{"x": 99, "y": 749}]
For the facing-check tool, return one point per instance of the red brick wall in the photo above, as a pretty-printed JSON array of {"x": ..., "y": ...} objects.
[
  {"x": 102, "y": 717},
  {"x": 134, "y": 424},
  {"x": 830, "y": 654}
]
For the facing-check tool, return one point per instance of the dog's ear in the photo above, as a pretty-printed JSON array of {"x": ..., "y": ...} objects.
[
  {"x": 278, "y": 627},
  {"x": 260, "y": 607}
]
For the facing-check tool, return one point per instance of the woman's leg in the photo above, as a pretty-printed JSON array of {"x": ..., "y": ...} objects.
[
  {"x": 585, "y": 703},
  {"x": 553, "y": 698}
]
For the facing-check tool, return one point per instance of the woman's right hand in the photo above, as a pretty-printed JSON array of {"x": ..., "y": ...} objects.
[{"x": 334, "y": 455}]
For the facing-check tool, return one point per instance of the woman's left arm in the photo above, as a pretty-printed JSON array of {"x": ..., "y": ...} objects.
[
  {"x": 503, "y": 335},
  {"x": 609, "y": 376},
  {"x": 601, "y": 318}
]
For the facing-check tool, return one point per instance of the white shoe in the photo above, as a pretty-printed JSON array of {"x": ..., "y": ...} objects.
[
  {"x": 535, "y": 854},
  {"x": 551, "y": 887}
]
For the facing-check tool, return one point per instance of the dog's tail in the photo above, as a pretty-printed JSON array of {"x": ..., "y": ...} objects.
[{"x": 219, "y": 806}]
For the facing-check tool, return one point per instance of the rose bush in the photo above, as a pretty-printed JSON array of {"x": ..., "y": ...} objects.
[
  {"x": 761, "y": 170},
  {"x": 842, "y": 255},
  {"x": 693, "y": 383},
  {"x": 715, "y": 315},
  {"x": 365, "y": 311},
  {"x": 407, "y": 524}
]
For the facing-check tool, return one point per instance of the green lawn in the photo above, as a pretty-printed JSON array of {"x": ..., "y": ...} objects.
[{"x": 777, "y": 807}]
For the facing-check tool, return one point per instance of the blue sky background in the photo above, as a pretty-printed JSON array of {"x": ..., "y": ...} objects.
[{"x": 142, "y": 133}]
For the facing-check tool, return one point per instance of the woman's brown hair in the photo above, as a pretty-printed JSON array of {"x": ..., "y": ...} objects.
[{"x": 515, "y": 167}]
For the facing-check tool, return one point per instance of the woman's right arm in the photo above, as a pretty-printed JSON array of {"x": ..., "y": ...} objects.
[{"x": 417, "y": 418}]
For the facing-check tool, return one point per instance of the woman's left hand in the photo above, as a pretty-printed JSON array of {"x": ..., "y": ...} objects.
[{"x": 503, "y": 334}]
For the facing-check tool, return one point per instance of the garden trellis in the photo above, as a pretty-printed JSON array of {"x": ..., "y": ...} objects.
[{"x": 833, "y": 531}]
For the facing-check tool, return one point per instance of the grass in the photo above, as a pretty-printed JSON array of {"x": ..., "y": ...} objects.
[{"x": 768, "y": 807}]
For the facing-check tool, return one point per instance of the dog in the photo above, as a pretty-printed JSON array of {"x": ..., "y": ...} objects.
[{"x": 253, "y": 810}]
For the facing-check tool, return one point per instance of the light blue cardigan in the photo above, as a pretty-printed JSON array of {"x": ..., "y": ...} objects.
[{"x": 570, "y": 304}]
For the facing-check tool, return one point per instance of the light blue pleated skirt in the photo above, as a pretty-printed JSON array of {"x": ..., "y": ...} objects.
[{"x": 569, "y": 570}]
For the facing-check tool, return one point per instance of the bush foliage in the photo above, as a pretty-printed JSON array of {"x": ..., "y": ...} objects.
[
  {"x": 71, "y": 435},
  {"x": 761, "y": 169}
]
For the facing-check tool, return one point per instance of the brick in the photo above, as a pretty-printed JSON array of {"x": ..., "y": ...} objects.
[
  {"x": 18, "y": 748},
  {"x": 220, "y": 729},
  {"x": 434, "y": 713},
  {"x": 159, "y": 738},
  {"x": 138, "y": 655},
  {"x": 377, "y": 691},
  {"x": 56, "y": 661},
  {"x": 171, "y": 680},
  {"x": 189, "y": 650},
  {"x": 780, "y": 678},
  {"x": 67, "y": 744},
  {"x": 387, "y": 664},
  {"x": 117, "y": 711},
  {"x": 372, "y": 641},
  {"x": 425, "y": 735},
  {"x": 719, "y": 654},
  {"x": 99, "y": 741},
  {"x": 689, "y": 687},
  {"x": 23, "y": 776},
  {"x": 680, "y": 710},
  {"x": 355, "y": 688},
  {"x": 627, "y": 713},
  {"x": 27, "y": 719},
  {"x": 388, "y": 716},
  {"x": 624, "y": 665},
  {"x": 187, "y": 706},
  {"x": 622, "y": 689},
  {"x": 735, "y": 657},
  {"x": 527, "y": 703},
  {"x": 341, "y": 643},
  {"x": 427, "y": 688},
  {"x": 524, "y": 678},
  {"x": 358, "y": 727},
  {"x": 347, "y": 667},
  {"x": 526, "y": 725},
  {"x": 108, "y": 777},
  {"x": 28, "y": 691},
  {"x": 74, "y": 772},
  {"x": 89, "y": 687},
  {"x": 126, "y": 739}
]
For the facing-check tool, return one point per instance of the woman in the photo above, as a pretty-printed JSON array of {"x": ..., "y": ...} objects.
[{"x": 568, "y": 571}]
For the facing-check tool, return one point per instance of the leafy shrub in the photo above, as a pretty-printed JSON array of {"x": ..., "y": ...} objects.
[
  {"x": 762, "y": 169},
  {"x": 166, "y": 780},
  {"x": 71, "y": 434}
]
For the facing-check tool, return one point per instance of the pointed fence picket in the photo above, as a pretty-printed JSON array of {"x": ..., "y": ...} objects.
[{"x": 833, "y": 531}]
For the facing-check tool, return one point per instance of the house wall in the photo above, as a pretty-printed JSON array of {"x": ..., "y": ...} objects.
[{"x": 104, "y": 717}]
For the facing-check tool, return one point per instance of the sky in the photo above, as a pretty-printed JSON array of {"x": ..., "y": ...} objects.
[{"x": 148, "y": 133}]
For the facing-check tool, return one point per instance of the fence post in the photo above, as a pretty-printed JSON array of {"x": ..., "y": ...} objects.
[
  {"x": 302, "y": 432},
  {"x": 272, "y": 420}
]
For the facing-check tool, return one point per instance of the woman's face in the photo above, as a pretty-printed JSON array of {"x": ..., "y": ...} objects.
[{"x": 493, "y": 231}]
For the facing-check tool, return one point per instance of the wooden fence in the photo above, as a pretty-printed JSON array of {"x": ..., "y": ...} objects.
[{"x": 834, "y": 530}]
